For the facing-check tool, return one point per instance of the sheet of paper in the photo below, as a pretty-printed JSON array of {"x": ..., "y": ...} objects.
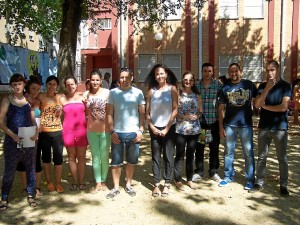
[{"x": 26, "y": 133}]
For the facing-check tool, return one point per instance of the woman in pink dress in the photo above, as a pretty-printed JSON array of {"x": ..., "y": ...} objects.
[{"x": 74, "y": 132}]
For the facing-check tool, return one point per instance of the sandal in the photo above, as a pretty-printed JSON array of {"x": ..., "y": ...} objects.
[
  {"x": 179, "y": 185},
  {"x": 38, "y": 192},
  {"x": 165, "y": 192},
  {"x": 82, "y": 187},
  {"x": 73, "y": 187},
  {"x": 3, "y": 205},
  {"x": 103, "y": 187},
  {"x": 32, "y": 203},
  {"x": 50, "y": 187},
  {"x": 156, "y": 191},
  {"x": 96, "y": 189},
  {"x": 191, "y": 185},
  {"x": 59, "y": 188}
]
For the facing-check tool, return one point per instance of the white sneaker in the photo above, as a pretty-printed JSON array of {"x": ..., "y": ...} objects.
[
  {"x": 216, "y": 178},
  {"x": 196, "y": 178}
]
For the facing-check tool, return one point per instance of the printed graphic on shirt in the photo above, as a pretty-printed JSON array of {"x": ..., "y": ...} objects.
[
  {"x": 97, "y": 108},
  {"x": 51, "y": 117},
  {"x": 238, "y": 97}
]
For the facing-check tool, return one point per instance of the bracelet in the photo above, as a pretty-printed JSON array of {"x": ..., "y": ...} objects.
[
  {"x": 142, "y": 131},
  {"x": 112, "y": 132}
]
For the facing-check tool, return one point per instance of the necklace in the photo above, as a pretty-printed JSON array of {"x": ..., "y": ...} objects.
[{"x": 19, "y": 98}]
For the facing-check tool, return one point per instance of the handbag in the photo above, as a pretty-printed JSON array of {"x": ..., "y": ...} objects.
[{"x": 205, "y": 136}]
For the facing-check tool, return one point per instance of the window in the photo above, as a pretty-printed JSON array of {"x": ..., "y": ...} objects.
[
  {"x": 104, "y": 24},
  {"x": 228, "y": 9},
  {"x": 146, "y": 62},
  {"x": 173, "y": 9},
  {"x": 144, "y": 11},
  {"x": 84, "y": 34},
  {"x": 31, "y": 36},
  {"x": 224, "y": 62},
  {"x": 253, "y": 9},
  {"x": 253, "y": 68},
  {"x": 173, "y": 62}
]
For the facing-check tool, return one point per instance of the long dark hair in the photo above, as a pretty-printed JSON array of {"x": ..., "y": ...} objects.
[
  {"x": 194, "y": 88},
  {"x": 152, "y": 82}
]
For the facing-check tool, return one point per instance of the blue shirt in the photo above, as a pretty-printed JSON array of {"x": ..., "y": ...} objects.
[{"x": 125, "y": 109}]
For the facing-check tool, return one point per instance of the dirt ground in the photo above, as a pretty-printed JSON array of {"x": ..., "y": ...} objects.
[{"x": 208, "y": 204}]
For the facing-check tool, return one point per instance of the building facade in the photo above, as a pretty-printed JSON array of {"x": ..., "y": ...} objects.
[{"x": 224, "y": 31}]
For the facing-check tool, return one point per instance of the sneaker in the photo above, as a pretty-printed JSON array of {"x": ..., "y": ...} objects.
[
  {"x": 248, "y": 186},
  {"x": 216, "y": 177},
  {"x": 196, "y": 178},
  {"x": 284, "y": 191},
  {"x": 114, "y": 192},
  {"x": 223, "y": 183},
  {"x": 255, "y": 188},
  {"x": 129, "y": 190}
]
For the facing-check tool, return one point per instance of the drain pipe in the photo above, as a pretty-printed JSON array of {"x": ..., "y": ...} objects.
[
  {"x": 200, "y": 27},
  {"x": 282, "y": 37}
]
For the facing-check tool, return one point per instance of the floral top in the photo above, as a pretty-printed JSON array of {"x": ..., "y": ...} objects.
[{"x": 188, "y": 103}]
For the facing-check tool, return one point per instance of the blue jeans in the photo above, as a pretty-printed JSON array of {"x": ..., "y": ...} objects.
[
  {"x": 280, "y": 141},
  {"x": 126, "y": 143},
  {"x": 246, "y": 137}
]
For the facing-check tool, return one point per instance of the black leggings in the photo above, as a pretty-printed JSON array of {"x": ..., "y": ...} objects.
[{"x": 54, "y": 140}]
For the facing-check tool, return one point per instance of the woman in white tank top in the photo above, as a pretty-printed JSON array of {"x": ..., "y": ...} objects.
[{"x": 161, "y": 111}]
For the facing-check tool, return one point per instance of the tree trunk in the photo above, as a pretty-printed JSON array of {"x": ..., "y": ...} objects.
[{"x": 71, "y": 17}]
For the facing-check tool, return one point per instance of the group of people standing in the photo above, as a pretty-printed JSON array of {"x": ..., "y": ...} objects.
[{"x": 115, "y": 119}]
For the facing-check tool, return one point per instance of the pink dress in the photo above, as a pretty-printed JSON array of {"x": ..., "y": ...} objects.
[{"x": 74, "y": 125}]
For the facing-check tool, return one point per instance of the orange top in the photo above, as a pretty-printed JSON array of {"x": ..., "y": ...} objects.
[{"x": 50, "y": 115}]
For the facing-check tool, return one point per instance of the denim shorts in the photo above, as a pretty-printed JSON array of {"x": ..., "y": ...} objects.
[{"x": 126, "y": 143}]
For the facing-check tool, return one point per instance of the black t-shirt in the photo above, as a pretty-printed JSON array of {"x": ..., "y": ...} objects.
[
  {"x": 274, "y": 120},
  {"x": 238, "y": 103}
]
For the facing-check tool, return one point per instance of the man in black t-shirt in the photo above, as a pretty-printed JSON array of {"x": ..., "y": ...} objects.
[{"x": 235, "y": 120}]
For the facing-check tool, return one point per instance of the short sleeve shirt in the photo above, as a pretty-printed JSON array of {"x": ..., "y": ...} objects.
[
  {"x": 238, "y": 103},
  {"x": 274, "y": 120},
  {"x": 125, "y": 108}
]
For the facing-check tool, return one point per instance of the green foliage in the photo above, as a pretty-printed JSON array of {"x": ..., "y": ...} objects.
[{"x": 40, "y": 16}]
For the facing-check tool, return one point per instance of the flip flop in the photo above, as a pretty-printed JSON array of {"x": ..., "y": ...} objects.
[
  {"x": 73, "y": 187},
  {"x": 82, "y": 187},
  {"x": 96, "y": 189}
]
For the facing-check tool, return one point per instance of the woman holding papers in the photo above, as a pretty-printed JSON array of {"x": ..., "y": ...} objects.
[
  {"x": 74, "y": 132},
  {"x": 16, "y": 113},
  {"x": 32, "y": 89}
]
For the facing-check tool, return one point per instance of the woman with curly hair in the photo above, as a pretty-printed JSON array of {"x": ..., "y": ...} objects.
[{"x": 161, "y": 111}]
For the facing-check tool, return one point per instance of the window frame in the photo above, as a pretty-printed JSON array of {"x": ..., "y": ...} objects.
[
  {"x": 174, "y": 68},
  {"x": 259, "y": 5},
  {"x": 141, "y": 78},
  {"x": 254, "y": 78},
  {"x": 232, "y": 59},
  {"x": 222, "y": 4}
]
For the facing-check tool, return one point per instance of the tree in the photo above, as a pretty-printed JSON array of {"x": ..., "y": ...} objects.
[{"x": 46, "y": 17}]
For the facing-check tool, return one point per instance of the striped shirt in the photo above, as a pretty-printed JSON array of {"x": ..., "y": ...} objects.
[{"x": 209, "y": 99}]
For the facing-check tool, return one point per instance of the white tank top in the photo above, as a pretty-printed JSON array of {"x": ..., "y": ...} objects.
[{"x": 161, "y": 106}]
